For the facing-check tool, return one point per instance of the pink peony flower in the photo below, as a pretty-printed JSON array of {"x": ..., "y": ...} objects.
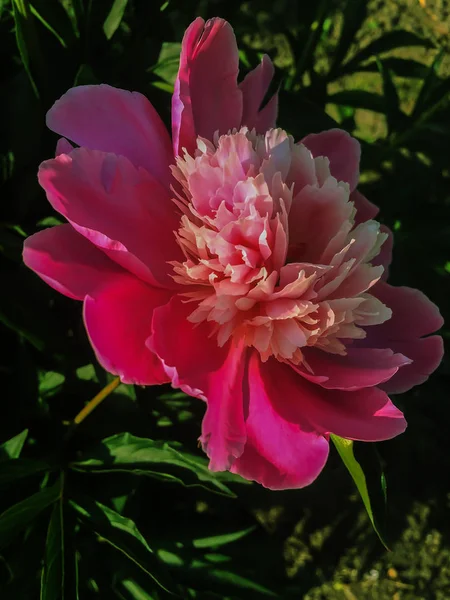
[{"x": 242, "y": 267}]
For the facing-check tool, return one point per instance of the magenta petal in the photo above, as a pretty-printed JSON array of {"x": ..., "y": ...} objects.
[
  {"x": 206, "y": 97},
  {"x": 367, "y": 415},
  {"x": 384, "y": 258},
  {"x": 63, "y": 147},
  {"x": 365, "y": 210},
  {"x": 200, "y": 368},
  {"x": 342, "y": 150},
  {"x": 425, "y": 354},
  {"x": 105, "y": 118},
  {"x": 413, "y": 316},
  {"x": 118, "y": 318},
  {"x": 360, "y": 368},
  {"x": 121, "y": 209},
  {"x": 279, "y": 454},
  {"x": 67, "y": 261},
  {"x": 254, "y": 89}
]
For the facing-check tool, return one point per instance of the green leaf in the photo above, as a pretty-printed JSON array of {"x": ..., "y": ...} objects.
[
  {"x": 55, "y": 582},
  {"x": 168, "y": 62},
  {"x": 16, "y": 518},
  {"x": 123, "y": 535},
  {"x": 359, "y": 99},
  {"x": 13, "y": 447},
  {"x": 46, "y": 13},
  {"x": 27, "y": 42},
  {"x": 21, "y": 468},
  {"x": 50, "y": 383},
  {"x": 430, "y": 82},
  {"x": 215, "y": 541},
  {"x": 402, "y": 67},
  {"x": 142, "y": 456},
  {"x": 114, "y": 17},
  {"x": 394, "y": 115},
  {"x": 306, "y": 58},
  {"x": 354, "y": 13},
  {"x": 345, "y": 450},
  {"x": 389, "y": 41}
]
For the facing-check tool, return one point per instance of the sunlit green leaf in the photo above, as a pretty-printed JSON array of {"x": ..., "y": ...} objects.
[
  {"x": 13, "y": 447},
  {"x": 345, "y": 450},
  {"x": 143, "y": 456},
  {"x": 168, "y": 62},
  {"x": 50, "y": 383},
  {"x": 114, "y": 17},
  {"x": 215, "y": 541}
]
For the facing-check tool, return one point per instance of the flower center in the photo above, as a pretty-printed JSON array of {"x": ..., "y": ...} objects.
[{"x": 272, "y": 251}]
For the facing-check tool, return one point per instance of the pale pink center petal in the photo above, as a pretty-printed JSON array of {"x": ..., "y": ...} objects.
[{"x": 273, "y": 255}]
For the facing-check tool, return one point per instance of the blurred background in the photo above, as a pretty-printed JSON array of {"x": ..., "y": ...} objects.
[{"x": 80, "y": 525}]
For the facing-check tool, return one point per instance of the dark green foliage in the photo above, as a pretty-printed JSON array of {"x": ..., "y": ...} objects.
[{"x": 124, "y": 506}]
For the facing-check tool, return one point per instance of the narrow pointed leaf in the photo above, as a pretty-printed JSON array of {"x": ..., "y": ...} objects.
[
  {"x": 16, "y": 518},
  {"x": 114, "y": 17},
  {"x": 20, "y": 468},
  {"x": 393, "y": 113},
  {"x": 430, "y": 82},
  {"x": 358, "y": 99},
  {"x": 389, "y": 41},
  {"x": 143, "y": 456},
  {"x": 13, "y": 447},
  {"x": 215, "y": 541},
  {"x": 345, "y": 450},
  {"x": 354, "y": 13},
  {"x": 123, "y": 535}
]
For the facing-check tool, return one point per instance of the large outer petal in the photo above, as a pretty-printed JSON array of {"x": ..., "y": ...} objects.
[
  {"x": 206, "y": 98},
  {"x": 200, "y": 368},
  {"x": 358, "y": 369},
  {"x": 105, "y": 118},
  {"x": 68, "y": 262},
  {"x": 279, "y": 454},
  {"x": 118, "y": 318},
  {"x": 119, "y": 208},
  {"x": 342, "y": 150},
  {"x": 254, "y": 89},
  {"x": 366, "y": 415},
  {"x": 413, "y": 316}
]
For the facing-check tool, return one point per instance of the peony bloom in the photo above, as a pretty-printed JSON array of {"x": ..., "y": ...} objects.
[{"x": 242, "y": 267}]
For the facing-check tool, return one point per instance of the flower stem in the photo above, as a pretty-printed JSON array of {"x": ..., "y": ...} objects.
[{"x": 96, "y": 400}]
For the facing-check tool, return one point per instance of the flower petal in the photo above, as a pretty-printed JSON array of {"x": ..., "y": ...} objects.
[
  {"x": 206, "y": 98},
  {"x": 365, "y": 210},
  {"x": 413, "y": 316},
  {"x": 254, "y": 89},
  {"x": 366, "y": 415},
  {"x": 63, "y": 146},
  {"x": 105, "y": 118},
  {"x": 200, "y": 368},
  {"x": 118, "y": 318},
  {"x": 359, "y": 368},
  {"x": 279, "y": 454},
  {"x": 67, "y": 261},
  {"x": 121, "y": 209},
  {"x": 342, "y": 150}
]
